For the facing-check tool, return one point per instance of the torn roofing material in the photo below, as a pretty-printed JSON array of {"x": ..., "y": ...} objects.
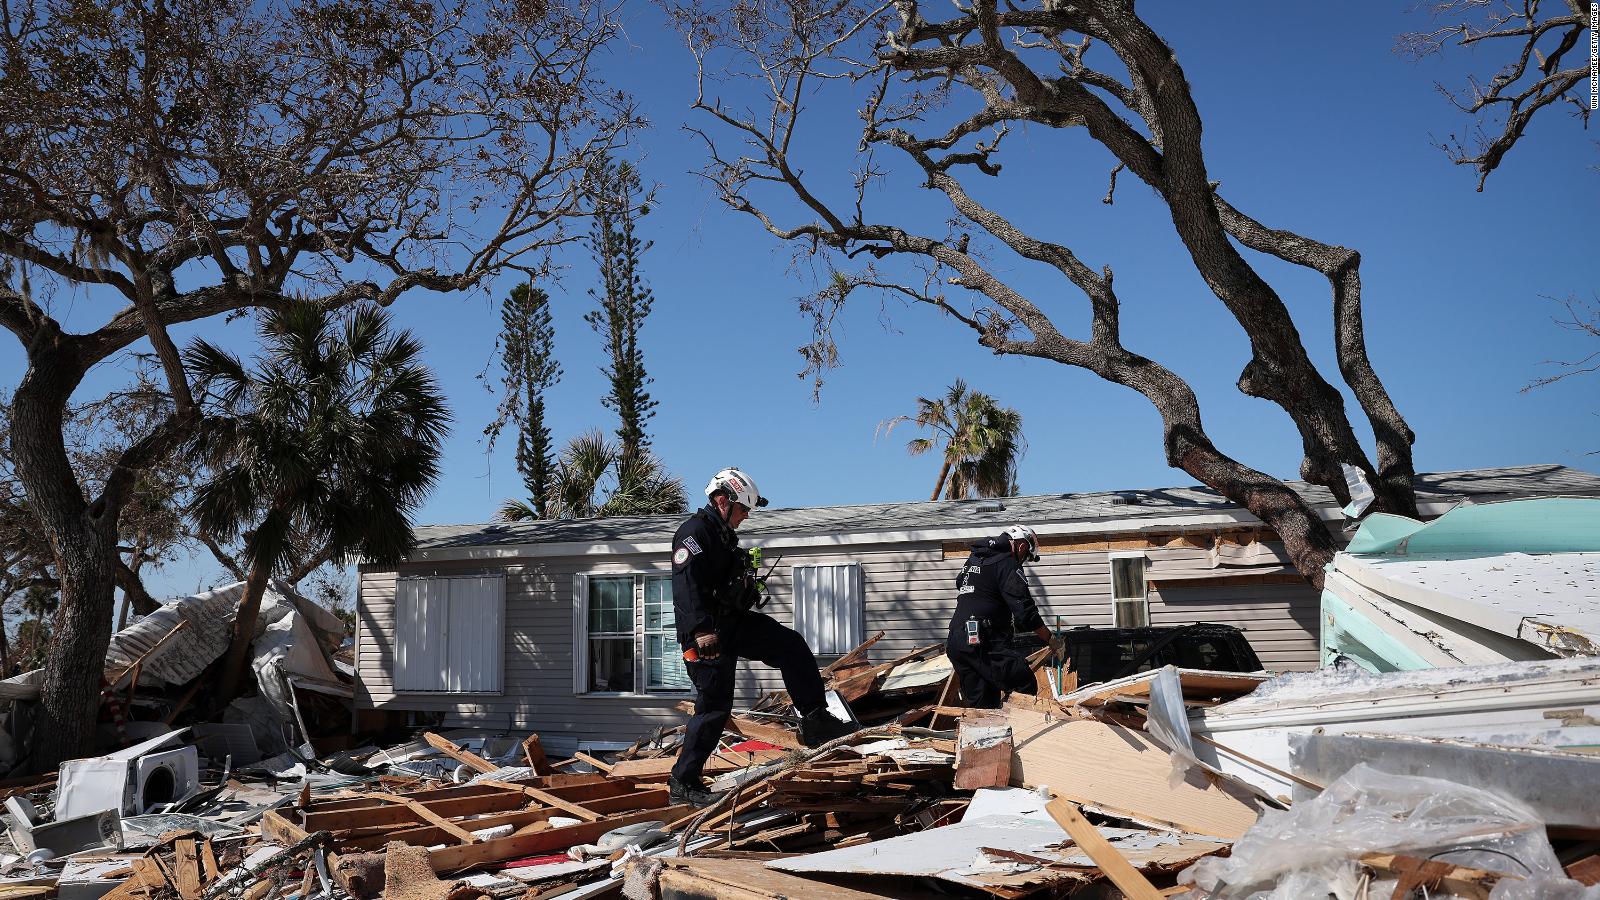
[
  {"x": 1408, "y": 595},
  {"x": 963, "y": 853},
  {"x": 1433, "y": 489},
  {"x": 1543, "y": 705}
]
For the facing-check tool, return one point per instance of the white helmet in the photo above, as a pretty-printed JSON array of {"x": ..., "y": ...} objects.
[
  {"x": 1024, "y": 533},
  {"x": 739, "y": 486}
]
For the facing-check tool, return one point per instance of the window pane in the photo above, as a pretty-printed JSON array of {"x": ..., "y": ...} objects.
[
  {"x": 664, "y": 668},
  {"x": 1127, "y": 577},
  {"x": 611, "y": 664},
  {"x": 658, "y": 604},
  {"x": 1131, "y": 614},
  {"x": 611, "y": 605}
]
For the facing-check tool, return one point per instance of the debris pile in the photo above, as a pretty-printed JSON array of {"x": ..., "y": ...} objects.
[
  {"x": 160, "y": 669},
  {"x": 1207, "y": 784}
]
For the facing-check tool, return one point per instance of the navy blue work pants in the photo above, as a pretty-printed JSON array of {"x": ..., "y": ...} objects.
[{"x": 750, "y": 635}]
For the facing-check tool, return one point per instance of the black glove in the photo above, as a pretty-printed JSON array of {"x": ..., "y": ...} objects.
[{"x": 708, "y": 645}]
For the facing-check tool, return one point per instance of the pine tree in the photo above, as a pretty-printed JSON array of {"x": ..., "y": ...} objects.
[
  {"x": 624, "y": 299},
  {"x": 527, "y": 344}
]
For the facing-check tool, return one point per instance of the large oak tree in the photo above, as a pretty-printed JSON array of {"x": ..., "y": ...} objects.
[
  {"x": 165, "y": 161},
  {"x": 938, "y": 89}
]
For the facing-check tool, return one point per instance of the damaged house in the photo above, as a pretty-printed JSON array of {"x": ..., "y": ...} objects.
[{"x": 566, "y": 626}]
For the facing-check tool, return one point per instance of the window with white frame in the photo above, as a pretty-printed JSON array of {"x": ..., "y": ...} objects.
[
  {"x": 1130, "y": 605},
  {"x": 450, "y": 633},
  {"x": 626, "y": 637},
  {"x": 829, "y": 611}
]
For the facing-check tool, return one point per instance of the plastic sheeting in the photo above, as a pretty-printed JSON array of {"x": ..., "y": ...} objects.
[{"x": 1313, "y": 849}]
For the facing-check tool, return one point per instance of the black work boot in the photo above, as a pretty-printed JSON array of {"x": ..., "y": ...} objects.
[
  {"x": 821, "y": 726},
  {"x": 694, "y": 793}
]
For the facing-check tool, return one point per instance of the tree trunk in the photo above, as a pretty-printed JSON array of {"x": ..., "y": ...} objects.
[
  {"x": 944, "y": 472},
  {"x": 244, "y": 629},
  {"x": 85, "y": 543},
  {"x": 1306, "y": 539}
]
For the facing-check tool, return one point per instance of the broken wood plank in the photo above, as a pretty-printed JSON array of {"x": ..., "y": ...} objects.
[
  {"x": 399, "y": 814},
  {"x": 1586, "y": 871},
  {"x": 600, "y": 764},
  {"x": 465, "y": 856},
  {"x": 147, "y": 879},
  {"x": 659, "y": 768},
  {"x": 747, "y": 879},
  {"x": 533, "y": 752},
  {"x": 983, "y": 753},
  {"x": 1415, "y": 872},
  {"x": 427, "y": 815},
  {"x": 855, "y": 657},
  {"x": 949, "y": 696},
  {"x": 186, "y": 868},
  {"x": 859, "y": 685},
  {"x": 1110, "y": 860},
  {"x": 467, "y": 758},
  {"x": 208, "y": 860},
  {"x": 548, "y": 799},
  {"x": 278, "y": 828},
  {"x": 113, "y": 682},
  {"x": 762, "y": 731}
]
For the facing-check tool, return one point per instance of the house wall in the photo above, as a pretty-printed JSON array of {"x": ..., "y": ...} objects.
[{"x": 909, "y": 596}]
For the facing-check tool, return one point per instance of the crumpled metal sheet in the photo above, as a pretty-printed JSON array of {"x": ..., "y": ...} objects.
[{"x": 142, "y": 832}]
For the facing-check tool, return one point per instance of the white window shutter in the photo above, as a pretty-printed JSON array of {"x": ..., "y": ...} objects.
[
  {"x": 580, "y": 634},
  {"x": 476, "y": 633},
  {"x": 421, "y": 634},
  {"x": 829, "y": 609}
]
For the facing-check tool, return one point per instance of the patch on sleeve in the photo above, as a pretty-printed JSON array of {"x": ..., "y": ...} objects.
[
  {"x": 680, "y": 557},
  {"x": 691, "y": 545}
]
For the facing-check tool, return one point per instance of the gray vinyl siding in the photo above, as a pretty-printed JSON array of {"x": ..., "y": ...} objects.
[{"x": 909, "y": 595}]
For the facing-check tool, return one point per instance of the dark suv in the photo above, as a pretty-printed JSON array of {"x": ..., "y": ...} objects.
[{"x": 1106, "y": 654}]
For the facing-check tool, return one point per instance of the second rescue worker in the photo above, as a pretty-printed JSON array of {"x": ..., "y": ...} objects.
[
  {"x": 991, "y": 598},
  {"x": 713, "y": 592}
]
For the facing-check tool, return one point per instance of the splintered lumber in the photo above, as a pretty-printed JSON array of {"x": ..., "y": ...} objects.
[
  {"x": 533, "y": 751},
  {"x": 1415, "y": 872},
  {"x": 659, "y": 768},
  {"x": 1586, "y": 871},
  {"x": 466, "y": 856},
  {"x": 187, "y": 866},
  {"x": 761, "y": 731},
  {"x": 1199, "y": 686},
  {"x": 547, "y": 799},
  {"x": 600, "y": 764},
  {"x": 746, "y": 879},
  {"x": 1110, "y": 860},
  {"x": 983, "y": 753},
  {"x": 855, "y": 658},
  {"x": 1122, "y": 772},
  {"x": 858, "y": 685},
  {"x": 427, "y": 815},
  {"x": 471, "y": 760}
]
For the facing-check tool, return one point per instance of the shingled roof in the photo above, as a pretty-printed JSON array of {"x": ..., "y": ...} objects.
[{"x": 1476, "y": 485}]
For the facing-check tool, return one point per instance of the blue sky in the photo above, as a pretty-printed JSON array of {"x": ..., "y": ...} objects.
[{"x": 1311, "y": 123}]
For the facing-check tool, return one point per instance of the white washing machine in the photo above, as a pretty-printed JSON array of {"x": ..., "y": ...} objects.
[{"x": 163, "y": 778}]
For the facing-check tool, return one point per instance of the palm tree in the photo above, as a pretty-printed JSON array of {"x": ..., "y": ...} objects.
[
  {"x": 321, "y": 449},
  {"x": 981, "y": 440},
  {"x": 594, "y": 478}
]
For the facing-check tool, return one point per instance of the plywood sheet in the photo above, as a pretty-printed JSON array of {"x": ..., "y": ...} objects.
[{"x": 1122, "y": 772}]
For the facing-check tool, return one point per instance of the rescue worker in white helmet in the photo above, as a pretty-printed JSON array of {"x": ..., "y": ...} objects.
[
  {"x": 992, "y": 603},
  {"x": 713, "y": 595}
]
